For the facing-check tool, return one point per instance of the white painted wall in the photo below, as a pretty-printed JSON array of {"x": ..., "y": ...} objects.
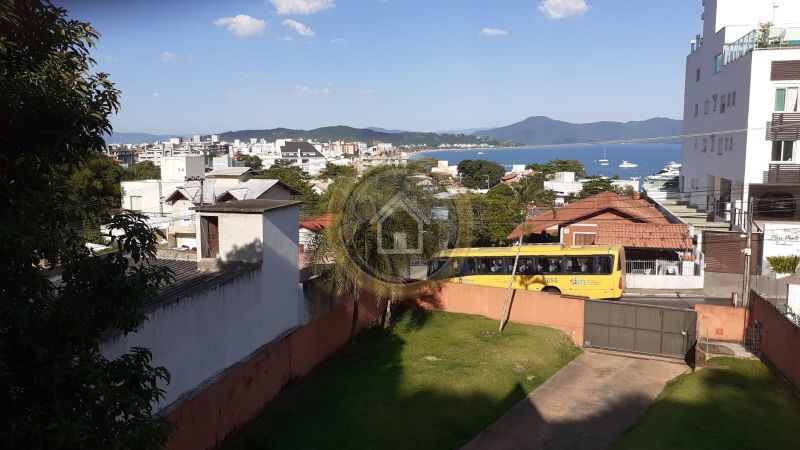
[
  {"x": 667, "y": 282},
  {"x": 178, "y": 168},
  {"x": 200, "y": 335},
  {"x": 793, "y": 293}
]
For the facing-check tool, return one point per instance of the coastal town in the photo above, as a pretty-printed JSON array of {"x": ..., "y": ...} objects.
[{"x": 570, "y": 285}]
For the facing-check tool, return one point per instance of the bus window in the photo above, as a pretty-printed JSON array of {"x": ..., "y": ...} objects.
[
  {"x": 496, "y": 266},
  {"x": 604, "y": 265},
  {"x": 526, "y": 266},
  {"x": 436, "y": 265},
  {"x": 551, "y": 265},
  {"x": 470, "y": 267},
  {"x": 483, "y": 265},
  {"x": 580, "y": 264}
]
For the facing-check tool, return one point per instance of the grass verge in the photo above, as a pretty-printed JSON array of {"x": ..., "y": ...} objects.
[
  {"x": 435, "y": 381},
  {"x": 732, "y": 403}
]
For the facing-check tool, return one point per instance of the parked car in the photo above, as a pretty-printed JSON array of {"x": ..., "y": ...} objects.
[{"x": 776, "y": 205}]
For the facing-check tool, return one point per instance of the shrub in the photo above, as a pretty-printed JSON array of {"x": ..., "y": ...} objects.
[{"x": 783, "y": 264}]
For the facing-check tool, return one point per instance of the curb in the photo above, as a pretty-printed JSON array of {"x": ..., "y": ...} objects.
[{"x": 665, "y": 294}]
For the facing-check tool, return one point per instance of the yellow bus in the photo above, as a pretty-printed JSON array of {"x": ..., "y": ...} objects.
[{"x": 594, "y": 271}]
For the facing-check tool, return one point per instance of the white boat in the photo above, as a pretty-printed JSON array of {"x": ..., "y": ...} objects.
[
  {"x": 604, "y": 161},
  {"x": 670, "y": 171},
  {"x": 627, "y": 165},
  {"x": 480, "y": 153}
]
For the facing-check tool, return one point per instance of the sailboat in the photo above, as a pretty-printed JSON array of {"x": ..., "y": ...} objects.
[{"x": 604, "y": 161}]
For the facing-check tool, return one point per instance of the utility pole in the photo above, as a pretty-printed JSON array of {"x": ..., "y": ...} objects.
[{"x": 747, "y": 253}]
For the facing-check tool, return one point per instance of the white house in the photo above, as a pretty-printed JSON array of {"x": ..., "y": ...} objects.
[
  {"x": 741, "y": 113},
  {"x": 240, "y": 294}
]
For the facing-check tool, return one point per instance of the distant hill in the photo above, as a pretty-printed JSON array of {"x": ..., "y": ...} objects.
[
  {"x": 357, "y": 134},
  {"x": 384, "y": 130},
  {"x": 541, "y": 130},
  {"x": 135, "y": 138},
  {"x": 464, "y": 131}
]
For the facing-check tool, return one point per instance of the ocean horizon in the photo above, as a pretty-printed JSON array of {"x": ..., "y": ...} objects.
[{"x": 650, "y": 157}]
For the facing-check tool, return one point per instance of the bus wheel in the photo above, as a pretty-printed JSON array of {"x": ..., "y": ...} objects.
[{"x": 552, "y": 290}]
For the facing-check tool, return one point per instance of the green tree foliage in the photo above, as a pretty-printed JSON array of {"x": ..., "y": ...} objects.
[
  {"x": 559, "y": 165},
  {"x": 335, "y": 171},
  {"x": 94, "y": 184},
  {"x": 494, "y": 216},
  {"x": 144, "y": 170},
  {"x": 596, "y": 185},
  {"x": 423, "y": 165},
  {"x": 56, "y": 388},
  {"x": 477, "y": 173},
  {"x": 251, "y": 161},
  {"x": 784, "y": 264}
]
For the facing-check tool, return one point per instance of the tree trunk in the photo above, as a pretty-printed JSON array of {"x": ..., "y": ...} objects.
[
  {"x": 387, "y": 315},
  {"x": 354, "y": 323}
]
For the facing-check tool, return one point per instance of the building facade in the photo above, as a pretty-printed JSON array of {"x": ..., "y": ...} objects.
[{"x": 741, "y": 118}]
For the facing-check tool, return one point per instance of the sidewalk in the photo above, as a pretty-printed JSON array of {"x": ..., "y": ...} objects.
[
  {"x": 586, "y": 405},
  {"x": 720, "y": 285}
]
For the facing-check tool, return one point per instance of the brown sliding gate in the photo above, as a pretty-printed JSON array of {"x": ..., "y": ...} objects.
[{"x": 636, "y": 328}]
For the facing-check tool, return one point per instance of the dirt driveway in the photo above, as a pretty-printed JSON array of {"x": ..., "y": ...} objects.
[{"x": 586, "y": 405}]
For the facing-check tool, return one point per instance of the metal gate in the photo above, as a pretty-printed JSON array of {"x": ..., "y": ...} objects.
[{"x": 636, "y": 328}]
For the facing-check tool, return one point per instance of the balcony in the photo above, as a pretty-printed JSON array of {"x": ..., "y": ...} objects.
[
  {"x": 782, "y": 174},
  {"x": 762, "y": 39},
  {"x": 784, "y": 127}
]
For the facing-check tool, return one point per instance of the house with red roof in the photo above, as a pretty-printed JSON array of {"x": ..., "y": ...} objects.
[{"x": 609, "y": 218}]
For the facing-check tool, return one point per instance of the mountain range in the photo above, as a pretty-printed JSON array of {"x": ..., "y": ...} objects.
[
  {"x": 540, "y": 130},
  {"x": 537, "y": 130}
]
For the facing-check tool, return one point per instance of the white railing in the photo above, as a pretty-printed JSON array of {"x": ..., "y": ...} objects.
[{"x": 656, "y": 267}]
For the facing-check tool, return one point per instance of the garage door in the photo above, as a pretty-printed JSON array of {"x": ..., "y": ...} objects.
[{"x": 646, "y": 329}]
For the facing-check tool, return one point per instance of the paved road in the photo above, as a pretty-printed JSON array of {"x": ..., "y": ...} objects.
[
  {"x": 677, "y": 302},
  {"x": 586, "y": 405}
]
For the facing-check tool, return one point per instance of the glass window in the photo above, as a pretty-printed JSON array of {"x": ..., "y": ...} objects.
[
  {"x": 483, "y": 265},
  {"x": 783, "y": 151},
  {"x": 551, "y": 265},
  {"x": 780, "y": 99},
  {"x": 718, "y": 63},
  {"x": 579, "y": 264},
  {"x": 604, "y": 265},
  {"x": 496, "y": 266},
  {"x": 733, "y": 98},
  {"x": 696, "y": 109},
  {"x": 526, "y": 266},
  {"x": 470, "y": 267},
  {"x": 697, "y": 75}
]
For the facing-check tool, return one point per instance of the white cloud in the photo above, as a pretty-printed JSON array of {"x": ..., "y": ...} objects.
[
  {"x": 286, "y": 38},
  {"x": 494, "y": 32},
  {"x": 156, "y": 95},
  {"x": 337, "y": 41},
  {"x": 367, "y": 91},
  {"x": 560, "y": 9},
  {"x": 302, "y": 6},
  {"x": 307, "y": 90},
  {"x": 242, "y": 25},
  {"x": 301, "y": 29},
  {"x": 109, "y": 58},
  {"x": 167, "y": 56}
]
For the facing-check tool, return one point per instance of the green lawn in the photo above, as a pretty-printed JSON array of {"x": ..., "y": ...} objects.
[
  {"x": 435, "y": 381},
  {"x": 734, "y": 403}
]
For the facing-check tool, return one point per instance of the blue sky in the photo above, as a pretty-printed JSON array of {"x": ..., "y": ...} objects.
[{"x": 211, "y": 66}]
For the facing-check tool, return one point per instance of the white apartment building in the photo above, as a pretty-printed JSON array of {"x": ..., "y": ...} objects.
[{"x": 741, "y": 110}]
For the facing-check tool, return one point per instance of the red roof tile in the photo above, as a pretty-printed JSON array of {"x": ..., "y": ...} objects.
[
  {"x": 645, "y": 235},
  {"x": 317, "y": 224},
  {"x": 638, "y": 210}
]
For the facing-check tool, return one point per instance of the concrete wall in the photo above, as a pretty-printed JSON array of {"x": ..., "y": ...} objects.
[
  {"x": 780, "y": 338},
  {"x": 239, "y": 394},
  {"x": 531, "y": 307},
  {"x": 637, "y": 281},
  {"x": 200, "y": 335},
  {"x": 721, "y": 323}
]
